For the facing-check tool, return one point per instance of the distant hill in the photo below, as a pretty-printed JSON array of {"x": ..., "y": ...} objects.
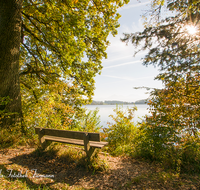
[
  {"x": 144, "y": 101},
  {"x": 114, "y": 102}
]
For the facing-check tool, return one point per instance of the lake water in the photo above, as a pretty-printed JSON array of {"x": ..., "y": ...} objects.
[{"x": 106, "y": 110}]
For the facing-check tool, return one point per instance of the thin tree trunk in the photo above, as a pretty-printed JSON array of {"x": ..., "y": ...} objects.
[{"x": 10, "y": 35}]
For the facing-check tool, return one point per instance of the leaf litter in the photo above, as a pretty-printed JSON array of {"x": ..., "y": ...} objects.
[{"x": 56, "y": 171}]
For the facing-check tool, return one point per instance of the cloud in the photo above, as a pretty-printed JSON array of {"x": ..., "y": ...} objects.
[
  {"x": 116, "y": 77},
  {"x": 128, "y": 78},
  {"x": 122, "y": 64},
  {"x": 117, "y": 59}
]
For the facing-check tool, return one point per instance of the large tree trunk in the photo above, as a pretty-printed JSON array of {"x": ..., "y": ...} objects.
[{"x": 10, "y": 35}]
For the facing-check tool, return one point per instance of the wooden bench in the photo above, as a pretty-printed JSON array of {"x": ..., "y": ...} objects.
[{"x": 90, "y": 141}]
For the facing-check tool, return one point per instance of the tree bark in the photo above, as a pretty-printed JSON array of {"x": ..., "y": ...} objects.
[{"x": 10, "y": 38}]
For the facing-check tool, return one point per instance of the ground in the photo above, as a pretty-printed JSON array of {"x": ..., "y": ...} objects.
[{"x": 25, "y": 168}]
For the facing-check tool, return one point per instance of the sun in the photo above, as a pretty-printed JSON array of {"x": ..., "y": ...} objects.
[{"x": 191, "y": 29}]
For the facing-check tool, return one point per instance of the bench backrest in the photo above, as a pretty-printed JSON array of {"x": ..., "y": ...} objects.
[{"x": 67, "y": 134}]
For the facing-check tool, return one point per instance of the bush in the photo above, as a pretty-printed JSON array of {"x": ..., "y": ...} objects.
[
  {"x": 89, "y": 121},
  {"x": 12, "y": 136},
  {"x": 191, "y": 156},
  {"x": 122, "y": 132},
  {"x": 153, "y": 143}
]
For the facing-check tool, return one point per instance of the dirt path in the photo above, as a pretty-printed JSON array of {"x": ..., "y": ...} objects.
[{"x": 57, "y": 173}]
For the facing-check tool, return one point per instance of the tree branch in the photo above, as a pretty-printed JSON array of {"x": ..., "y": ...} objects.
[{"x": 29, "y": 87}]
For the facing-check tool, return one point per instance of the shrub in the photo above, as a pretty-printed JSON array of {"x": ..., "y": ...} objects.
[
  {"x": 122, "y": 132},
  {"x": 89, "y": 121},
  {"x": 155, "y": 144},
  {"x": 191, "y": 155}
]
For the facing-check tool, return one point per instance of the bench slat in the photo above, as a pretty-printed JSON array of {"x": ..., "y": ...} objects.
[
  {"x": 75, "y": 141},
  {"x": 68, "y": 134}
]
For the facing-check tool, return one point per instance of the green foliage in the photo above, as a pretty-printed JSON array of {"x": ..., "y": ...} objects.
[
  {"x": 13, "y": 136},
  {"x": 89, "y": 121},
  {"x": 183, "y": 155},
  {"x": 171, "y": 132},
  {"x": 122, "y": 132},
  {"x": 63, "y": 43},
  {"x": 143, "y": 142},
  {"x": 191, "y": 156},
  {"x": 51, "y": 114},
  {"x": 49, "y": 111}
]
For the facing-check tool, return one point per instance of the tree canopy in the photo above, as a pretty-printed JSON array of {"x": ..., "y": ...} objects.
[
  {"x": 173, "y": 49},
  {"x": 65, "y": 41},
  {"x": 62, "y": 45},
  {"x": 173, "y": 43}
]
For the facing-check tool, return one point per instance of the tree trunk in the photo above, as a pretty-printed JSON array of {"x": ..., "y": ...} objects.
[{"x": 10, "y": 35}]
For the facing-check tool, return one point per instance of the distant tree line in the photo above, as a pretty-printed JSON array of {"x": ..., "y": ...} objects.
[{"x": 114, "y": 102}]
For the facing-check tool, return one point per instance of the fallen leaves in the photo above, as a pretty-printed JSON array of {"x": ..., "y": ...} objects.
[{"x": 123, "y": 173}]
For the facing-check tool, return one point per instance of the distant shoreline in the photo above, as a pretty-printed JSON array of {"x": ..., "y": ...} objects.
[{"x": 114, "y": 102}]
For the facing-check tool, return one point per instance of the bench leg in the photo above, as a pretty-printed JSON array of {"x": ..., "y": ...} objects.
[
  {"x": 89, "y": 150},
  {"x": 43, "y": 143}
]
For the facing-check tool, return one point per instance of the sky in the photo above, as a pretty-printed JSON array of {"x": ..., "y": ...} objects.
[{"x": 121, "y": 70}]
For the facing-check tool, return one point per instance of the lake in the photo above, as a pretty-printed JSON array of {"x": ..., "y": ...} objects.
[{"x": 106, "y": 110}]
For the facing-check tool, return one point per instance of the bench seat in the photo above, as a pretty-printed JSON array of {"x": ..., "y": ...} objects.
[{"x": 75, "y": 141}]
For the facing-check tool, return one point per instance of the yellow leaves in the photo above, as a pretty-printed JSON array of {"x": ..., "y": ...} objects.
[
  {"x": 60, "y": 34},
  {"x": 162, "y": 2},
  {"x": 75, "y": 1},
  {"x": 158, "y": 2}
]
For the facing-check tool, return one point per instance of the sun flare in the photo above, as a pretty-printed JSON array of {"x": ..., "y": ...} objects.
[{"x": 191, "y": 29}]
